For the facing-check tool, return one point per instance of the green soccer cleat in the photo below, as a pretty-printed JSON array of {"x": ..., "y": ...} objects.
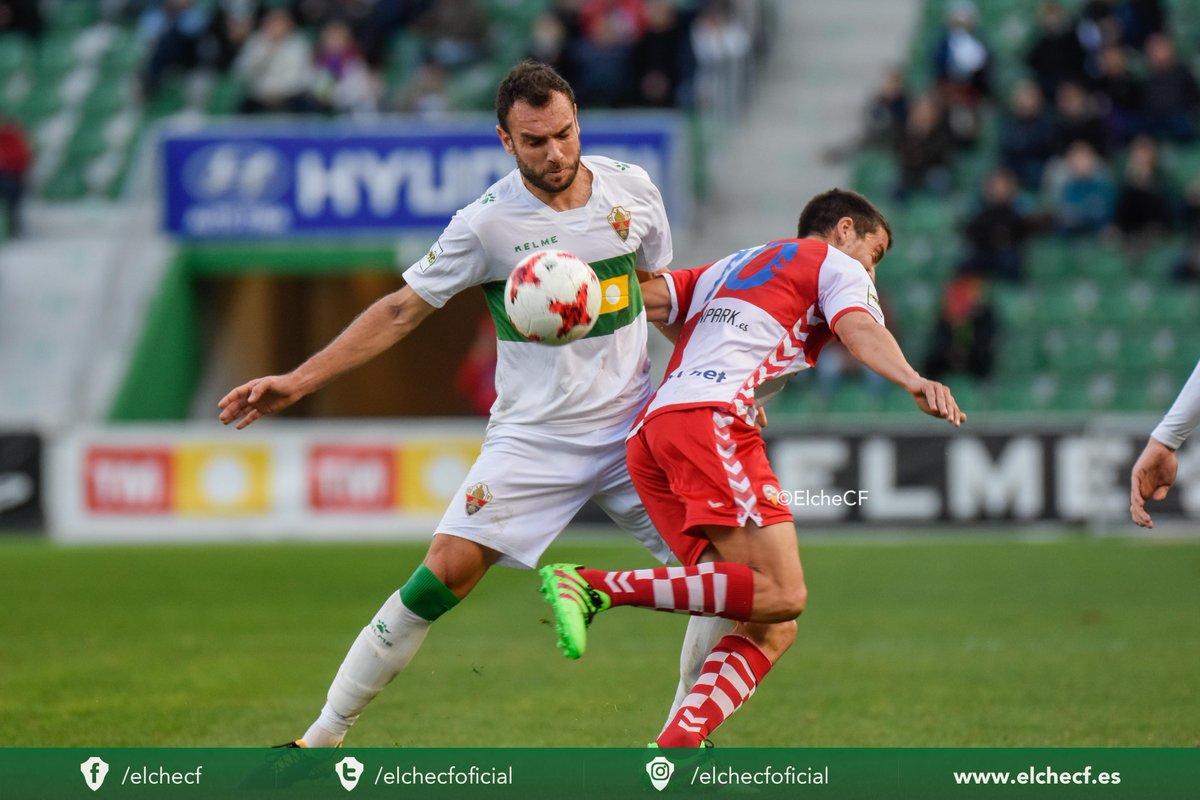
[{"x": 574, "y": 603}]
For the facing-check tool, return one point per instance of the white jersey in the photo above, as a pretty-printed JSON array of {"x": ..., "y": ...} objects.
[{"x": 602, "y": 380}]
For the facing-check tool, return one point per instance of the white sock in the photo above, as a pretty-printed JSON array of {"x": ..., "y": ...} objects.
[
  {"x": 702, "y": 636},
  {"x": 380, "y": 652}
]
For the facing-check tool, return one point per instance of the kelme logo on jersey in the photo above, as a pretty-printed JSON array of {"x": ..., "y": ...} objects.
[
  {"x": 619, "y": 219},
  {"x": 478, "y": 496}
]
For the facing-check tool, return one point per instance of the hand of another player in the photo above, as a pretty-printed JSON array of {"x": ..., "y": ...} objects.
[
  {"x": 936, "y": 400},
  {"x": 257, "y": 398},
  {"x": 1152, "y": 477}
]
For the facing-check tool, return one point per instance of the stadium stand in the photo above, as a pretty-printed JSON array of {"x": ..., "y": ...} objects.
[{"x": 1098, "y": 323}]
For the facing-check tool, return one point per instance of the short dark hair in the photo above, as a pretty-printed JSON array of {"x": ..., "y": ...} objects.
[
  {"x": 823, "y": 212},
  {"x": 531, "y": 82}
]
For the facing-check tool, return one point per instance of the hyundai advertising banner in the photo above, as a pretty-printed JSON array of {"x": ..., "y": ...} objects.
[{"x": 251, "y": 179}]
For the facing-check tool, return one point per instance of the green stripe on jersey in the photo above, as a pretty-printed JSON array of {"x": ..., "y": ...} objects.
[{"x": 625, "y": 264}]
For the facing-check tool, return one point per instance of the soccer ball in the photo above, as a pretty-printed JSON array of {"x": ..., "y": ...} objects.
[{"x": 552, "y": 297}]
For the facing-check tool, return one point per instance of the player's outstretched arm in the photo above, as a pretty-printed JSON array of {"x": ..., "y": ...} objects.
[
  {"x": 656, "y": 298},
  {"x": 385, "y": 322},
  {"x": 874, "y": 346},
  {"x": 1153, "y": 476}
]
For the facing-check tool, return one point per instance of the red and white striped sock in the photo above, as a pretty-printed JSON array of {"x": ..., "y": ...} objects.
[
  {"x": 712, "y": 589},
  {"x": 730, "y": 675}
]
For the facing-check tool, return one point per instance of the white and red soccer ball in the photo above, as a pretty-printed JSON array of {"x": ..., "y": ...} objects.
[{"x": 552, "y": 297}]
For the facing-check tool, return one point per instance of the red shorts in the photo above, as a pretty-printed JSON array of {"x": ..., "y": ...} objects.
[{"x": 702, "y": 466}]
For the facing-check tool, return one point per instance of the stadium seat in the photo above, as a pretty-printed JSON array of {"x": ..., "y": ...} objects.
[
  {"x": 1048, "y": 261},
  {"x": 853, "y": 397}
]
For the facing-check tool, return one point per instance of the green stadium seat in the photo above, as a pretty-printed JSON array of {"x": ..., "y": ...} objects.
[
  {"x": 66, "y": 184},
  {"x": 1098, "y": 261},
  {"x": 853, "y": 397},
  {"x": 106, "y": 98},
  {"x": 874, "y": 174},
  {"x": 74, "y": 14},
  {"x": 1176, "y": 305},
  {"x": 42, "y": 102},
  {"x": 1056, "y": 304},
  {"x": 15, "y": 54},
  {"x": 1019, "y": 352},
  {"x": 1048, "y": 261},
  {"x": 226, "y": 96},
  {"x": 55, "y": 56},
  {"x": 1024, "y": 392},
  {"x": 1015, "y": 306}
]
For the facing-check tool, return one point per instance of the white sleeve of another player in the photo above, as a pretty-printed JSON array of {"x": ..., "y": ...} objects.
[
  {"x": 844, "y": 285},
  {"x": 655, "y": 251},
  {"x": 1184, "y": 415},
  {"x": 456, "y": 261}
]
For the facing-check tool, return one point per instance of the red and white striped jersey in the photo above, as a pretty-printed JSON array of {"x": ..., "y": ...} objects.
[{"x": 756, "y": 315}]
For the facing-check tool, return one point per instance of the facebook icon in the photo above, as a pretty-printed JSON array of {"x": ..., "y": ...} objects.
[{"x": 94, "y": 770}]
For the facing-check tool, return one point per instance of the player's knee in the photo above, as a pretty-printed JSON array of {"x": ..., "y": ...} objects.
[{"x": 794, "y": 600}]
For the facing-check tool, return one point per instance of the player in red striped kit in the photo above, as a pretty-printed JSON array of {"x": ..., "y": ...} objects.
[{"x": 697, "y": 457}]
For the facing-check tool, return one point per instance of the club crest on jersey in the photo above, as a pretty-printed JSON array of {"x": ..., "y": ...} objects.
[
  {"x": 619, "y": 219},
  {"x": 478, "y": 496}
]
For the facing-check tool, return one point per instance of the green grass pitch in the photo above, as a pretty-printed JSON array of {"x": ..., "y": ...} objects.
[{"x": 943, "y": 641}]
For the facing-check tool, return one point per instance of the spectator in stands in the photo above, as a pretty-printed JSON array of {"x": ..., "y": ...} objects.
[
  {"x": 722, "y": 45},
  {"x": 924, "y": 152},
  {"x": 549, "y": 42},
  {"x": 381, "y": 20},
  {"x": 1057, "y": 55},
  {"x": 21, "y": 16},
  {"x": 999, "y": 230},
  {"x": 961, "y": 65},
  {"x": 964, "y": 337},
  {"x": 1085, "y": 197},
  {"x": 1187, "y": 268},
  {"x": 456, "y": 32},
  {"x": 276, "y": 66},
  {"x": 427, "y": 94},
  {"x": 887, "y": 112},
  {"x": 1119, "y": 94},
  {"x": 231, "y": 24},
  {"x": 16, "y": 155},
  {"x": 1171, "y": 97},
  {"x": 475, "y": 378},
  {"x": 1077, "y": 120},
  {"x": 1099, "y": 25},
  {"x": 1027, "y": 136},
  {"x": 608, "y": 31},
  {"x": 1140, "y": 19},
  {"x": 342, "y": 83},
  {"x": 173, "y": 28},
  {"x": 1145, "y": 208},
  {"x": 662, "y": 58}
]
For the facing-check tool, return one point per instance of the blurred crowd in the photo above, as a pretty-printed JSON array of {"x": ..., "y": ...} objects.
[
  {"x": 338, "y": 56},
  {"x": 1080, "y": 151}
]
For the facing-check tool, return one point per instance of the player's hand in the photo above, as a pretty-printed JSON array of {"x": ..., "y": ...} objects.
[
  {"x": 760, "y": 417},
  {"x": 1152, "y": 477},
  {"x": 257, "y": 398},
  {"x": 936, "y": 400}
]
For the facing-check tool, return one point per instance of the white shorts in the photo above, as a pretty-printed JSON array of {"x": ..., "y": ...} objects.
[{"x": 527, "y": 485}]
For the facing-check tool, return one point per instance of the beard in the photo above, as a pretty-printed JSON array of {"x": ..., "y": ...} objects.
[{"x": 539, "y": 179}]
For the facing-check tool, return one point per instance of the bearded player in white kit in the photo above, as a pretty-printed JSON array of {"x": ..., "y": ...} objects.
[{"x": 556, "y": 437}]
